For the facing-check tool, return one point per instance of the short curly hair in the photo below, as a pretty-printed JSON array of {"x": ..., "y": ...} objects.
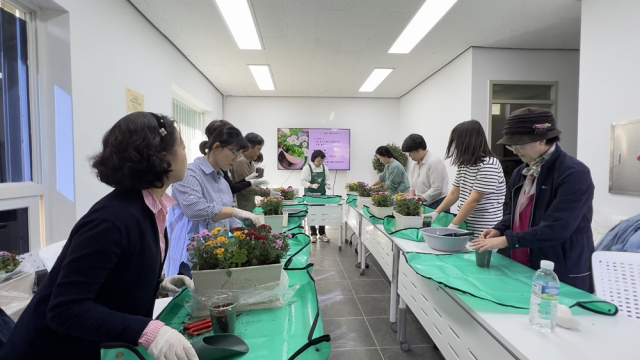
[{"x": 134, "y": 152}]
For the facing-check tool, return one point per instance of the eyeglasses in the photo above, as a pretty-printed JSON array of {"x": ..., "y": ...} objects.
[{"x": 236, "y": 153}]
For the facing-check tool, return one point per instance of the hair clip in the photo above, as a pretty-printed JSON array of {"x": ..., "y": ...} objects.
[
  {"x": 163, "y": 132},
  {"x": 541, "y": 128}
]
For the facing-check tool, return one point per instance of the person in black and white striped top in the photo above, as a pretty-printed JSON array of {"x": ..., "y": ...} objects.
[{"x": 479, "y": 182}]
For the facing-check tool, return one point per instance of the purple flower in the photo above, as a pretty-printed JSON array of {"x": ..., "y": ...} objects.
[
  {"x": 277, "y": 236},
  {"x": 279, "y": 244},
  {"x": 197, "y": 237},
  {"x": 192, "y": 245},
  {"x": 289, "y": 235}
]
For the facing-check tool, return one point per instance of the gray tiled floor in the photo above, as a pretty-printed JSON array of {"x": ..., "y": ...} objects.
[{"x": 355, "y": 308}]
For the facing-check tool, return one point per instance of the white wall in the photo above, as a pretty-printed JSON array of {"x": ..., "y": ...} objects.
[
  {"x": 437, "y": 105},
  {"x": 530, "y": 65},
  {"x": 373, "y": 122},
  {"x": 114, "y": 47},
  {"x": 609, "y": 92}
]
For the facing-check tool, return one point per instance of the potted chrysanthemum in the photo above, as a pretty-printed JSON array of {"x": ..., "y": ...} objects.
[{"x": 407, "y": 212}]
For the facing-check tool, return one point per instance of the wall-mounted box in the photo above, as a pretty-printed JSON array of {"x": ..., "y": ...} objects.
[{"x": 624, "y": 169}]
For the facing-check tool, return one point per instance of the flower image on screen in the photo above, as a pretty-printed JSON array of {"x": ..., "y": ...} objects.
[{"x": 293, "y": 148}]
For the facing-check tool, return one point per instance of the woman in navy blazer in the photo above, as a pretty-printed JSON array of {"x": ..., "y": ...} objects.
[
  {"x": 102, "y": 288},
  {"x": 549, "y": 217}
]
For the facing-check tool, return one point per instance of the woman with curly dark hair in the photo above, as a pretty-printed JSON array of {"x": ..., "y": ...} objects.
[{"x": 103, "y": 286}]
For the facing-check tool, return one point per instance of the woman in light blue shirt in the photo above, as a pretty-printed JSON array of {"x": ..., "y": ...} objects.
[
  {"x": 394, "y": 176},
  {"x": 204, "y": 198}
]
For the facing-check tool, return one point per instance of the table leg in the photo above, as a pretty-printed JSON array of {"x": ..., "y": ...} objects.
[
  {"x": 341, "y": 239},
  {"x": 361, "y": 250},
  {"x": 394, "y": 288},
  {"x": 402, "y": 326}
]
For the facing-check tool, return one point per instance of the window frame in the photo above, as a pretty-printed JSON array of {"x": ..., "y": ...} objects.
[{"x": 30, "y": 194}]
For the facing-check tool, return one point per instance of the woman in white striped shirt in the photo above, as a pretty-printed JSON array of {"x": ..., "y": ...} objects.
[{"x": 479, "y": 182}]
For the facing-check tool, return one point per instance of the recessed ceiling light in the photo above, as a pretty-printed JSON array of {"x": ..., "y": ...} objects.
[
  {"x": 262, "y": 74},
  {"x": 424, "y": 20},
  {"x": 376, "y": 77},
  {"x": 237, "y": 14}
]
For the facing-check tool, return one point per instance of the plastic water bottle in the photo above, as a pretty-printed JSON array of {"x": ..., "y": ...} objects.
[{"x": 543, "y": 310}]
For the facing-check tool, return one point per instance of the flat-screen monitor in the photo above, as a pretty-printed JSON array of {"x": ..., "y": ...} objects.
[{"x": 295, "y": 146}]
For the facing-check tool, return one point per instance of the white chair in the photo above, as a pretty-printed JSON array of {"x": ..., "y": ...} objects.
[{"x": 617, "y": 280}]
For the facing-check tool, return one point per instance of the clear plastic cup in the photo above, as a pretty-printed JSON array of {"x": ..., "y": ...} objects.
[{"x": 223, "y": 310}]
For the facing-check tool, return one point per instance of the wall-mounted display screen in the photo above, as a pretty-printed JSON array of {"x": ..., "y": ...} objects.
[{"x": 295, "y": 146}]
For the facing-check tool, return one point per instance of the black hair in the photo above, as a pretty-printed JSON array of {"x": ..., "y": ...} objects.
[
  {"x": 214, "y": 126},
  {"x": 318, "y": 154},
  {"x": 254, "y": 139},
  {"x": 468, "y": 144},
  {"x": 227, "y": 136},
  {"x": 134, "y": 152},
  {"x": 552, "y": 140},
  {"x": 414, "y": 142},
  {"x": 386, "y": 152},
  {"x": 259, "y": 159}
]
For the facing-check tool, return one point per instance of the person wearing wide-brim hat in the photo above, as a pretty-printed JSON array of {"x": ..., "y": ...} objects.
[{"x": 549, "y": 216}]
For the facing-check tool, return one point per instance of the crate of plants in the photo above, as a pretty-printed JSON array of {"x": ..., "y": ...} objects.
[
  {"x": 288, "y": 195},
  {"x": 407, "y": 212},
  {"x": 352, "y": 188},
  {"x": 381, "y": 205}
]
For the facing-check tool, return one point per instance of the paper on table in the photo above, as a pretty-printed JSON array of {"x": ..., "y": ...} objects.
[
  {"x": 160, "y": 305},
  {"x": 50, "y": 254}
]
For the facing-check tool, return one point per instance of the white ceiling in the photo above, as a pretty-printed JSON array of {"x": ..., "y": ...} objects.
[{"x": 329, "y": 47}]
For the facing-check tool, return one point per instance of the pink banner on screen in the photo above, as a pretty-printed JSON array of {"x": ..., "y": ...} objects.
[{"x": 335, "y": 143}]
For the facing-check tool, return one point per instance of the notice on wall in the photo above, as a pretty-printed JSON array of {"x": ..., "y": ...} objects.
[{"x": 135, "y": 101}]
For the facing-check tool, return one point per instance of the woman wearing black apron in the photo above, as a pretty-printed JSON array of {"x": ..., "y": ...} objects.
[{"x": 314, "y": 180}]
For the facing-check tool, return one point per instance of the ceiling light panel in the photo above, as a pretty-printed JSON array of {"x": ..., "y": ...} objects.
[
  {"x": 262, "y": 75},
  {"x": 376, "y": 77},
  {"x": 237, "y": 15},
  {"x": 425, "y": 19}
]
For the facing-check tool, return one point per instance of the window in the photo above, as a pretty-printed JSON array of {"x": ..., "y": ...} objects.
[
  {"x": 15, "y": 124},
  {"x": 21, "y": 189},
  {"x": 191, "y": 128},
  {"x": 14, "y": 230}
]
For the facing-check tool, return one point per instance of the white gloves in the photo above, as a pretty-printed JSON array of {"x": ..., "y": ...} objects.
[
  {"x": 252, "y": 176},
  {"x": 453, "y": 226},
  {"x": 259, "y": 182},
  {"x": 432, "y": 215},
  {"x": 171, "y": 345},
  {"x": 274, "y": 193},
  {"x": 174, "y": 283},
  {"x": 245, "y": 215},
  {"x": 314, "y": 186},
  {"x": 328, "y": 186}
]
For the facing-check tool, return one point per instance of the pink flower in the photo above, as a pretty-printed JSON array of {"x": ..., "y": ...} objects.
[
  {"x": 279, "y": 244},
  {"x": 192, "y": 245},
  {"x": 204, "y": 233},
  {"x": 289, "y": 235},
  {"x": 197, "y": 237}
]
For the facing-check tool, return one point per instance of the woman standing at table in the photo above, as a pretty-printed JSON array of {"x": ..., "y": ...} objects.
[
  {"x": 314, "y": 180},
  {"x": 204, "y": 198},
  {"x": 479, "y": 182},
  {"x": 394, "y": 176},
  {"x": 549, "y": 217},
  {"x": 103, "y": 286}
]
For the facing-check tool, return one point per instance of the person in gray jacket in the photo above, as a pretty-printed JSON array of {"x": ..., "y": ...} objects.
[{"x": 394, "y": 176}]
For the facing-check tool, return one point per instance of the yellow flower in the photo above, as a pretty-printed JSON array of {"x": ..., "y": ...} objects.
[
  {"x": 225, "y": 229},
  {"x": 220, "y": 256},
  {"x": 218, "y": 229},
  {"x": 226, "y": 241},
  {"x": 237, "y": 234},
  {"x": 243, "y": 236},
  {"x": 221, "y": 239},
  {"x": 209, "y": 243},
  {"x": 214, "y": 232},
  {"x": 220, "y": 252}
]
